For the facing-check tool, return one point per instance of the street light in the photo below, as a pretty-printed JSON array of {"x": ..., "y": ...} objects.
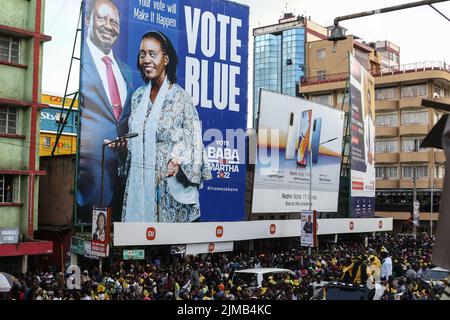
[
  {"x": 338, "y": 33},
  {"x": 105, "y": 144}
]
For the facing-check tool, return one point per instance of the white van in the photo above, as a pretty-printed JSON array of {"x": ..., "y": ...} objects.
[{"x": 255, "y": 277}]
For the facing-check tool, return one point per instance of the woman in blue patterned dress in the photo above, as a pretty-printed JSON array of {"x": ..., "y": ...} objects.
[{"x": 167, "y": 162}]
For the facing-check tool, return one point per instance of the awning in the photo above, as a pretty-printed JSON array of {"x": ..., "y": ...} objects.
[{"x": 26, "y": 248}]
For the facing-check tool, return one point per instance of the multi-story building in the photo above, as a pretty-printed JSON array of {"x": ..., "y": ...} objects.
[
  {"x": 57, "y": 199},
  {"x": 21, "y": 47},
  {"x": 279, "y": 55},
  {"x": 390, "y": 53},
  {"x": 401, "y": 122},
  {"x": 51, "y": 119}
]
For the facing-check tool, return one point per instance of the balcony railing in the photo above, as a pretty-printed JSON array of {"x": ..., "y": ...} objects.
[{"x": 406, "y": 68}]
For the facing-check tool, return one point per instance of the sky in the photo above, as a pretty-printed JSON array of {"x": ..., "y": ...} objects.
[{"x": 421, "y": 32}]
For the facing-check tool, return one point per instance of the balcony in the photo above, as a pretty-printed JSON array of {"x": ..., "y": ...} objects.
[
  {"x": 386, "y": 131},
  {"x": 423, "y": 183},
  {"x": 386, "y": 105},
  {"x": 438, "y": 184},
  {"x": 414, "y": 157},
  {"x": 414, "y": 129},
  {"x": 387, "y": 184},
  {"x": 411, "y": 102},
  {"x": 386, "y": 157},
  {"x": 439, "y": 157}
]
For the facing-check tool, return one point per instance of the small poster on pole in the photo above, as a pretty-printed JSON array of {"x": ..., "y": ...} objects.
[
  {"x": 416, "y": 214},
  {"x": 101, "y": 219},
  {"x": 308, "y": 229}
]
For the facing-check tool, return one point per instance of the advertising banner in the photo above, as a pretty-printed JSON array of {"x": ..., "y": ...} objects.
[
  {"x": 297, "y": 139},
  {"x": 362, "y": 150},
  {"x": 416, "y": 213},
  {"x": 100, "y": 232},
  {"x": 133, "y": 254},
  {"x": 175, "y": 73},
  {"x": 308, "y": 229}
]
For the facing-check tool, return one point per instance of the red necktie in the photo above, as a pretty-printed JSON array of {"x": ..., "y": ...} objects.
[{"x": 113, "y": 88}]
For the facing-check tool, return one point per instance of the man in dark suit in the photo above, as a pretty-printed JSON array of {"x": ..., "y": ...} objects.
[
  {"x": 308, "y": 227},
  {"x": 105, "y": 95}
]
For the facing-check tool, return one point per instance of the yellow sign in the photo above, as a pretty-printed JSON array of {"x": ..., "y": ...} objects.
[
  {"x": 67, "y": 144},
  {"x": 56, "y": 101}
]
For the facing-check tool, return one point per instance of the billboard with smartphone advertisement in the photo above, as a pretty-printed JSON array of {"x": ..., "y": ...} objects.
[
  {"x": 170, "y": 78},
  {"x": 362, "y": 147},
  {"x": 297, "y": 139}
]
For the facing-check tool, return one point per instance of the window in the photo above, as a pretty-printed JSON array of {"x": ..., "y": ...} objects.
[
  {"x": 9, "y": 49},
  {"x": 324, "y": 99},
  {"x": 386, "y": 172},
  {"x": 321, "y": 74},
  {"x": 439, "y": 171},
  {"x": 386, "y": 146},
  {"x": 417, "y": 90},
  {"x": 321, "y": 53},
  {"x": 386, "y": 93},
  {"x": 8, "y": 120},
  {"x": 421, "y": 172},
  {"x": 6, "y": 188},
  {"x": 412, "y": 145},
  {"x": 414, "y": 117},
  {"x": 386, "y": 120},
  {"x": 439, "y": 92},
  {"x": 340, "y": 96},
  {"x": 47, "y": 142}
]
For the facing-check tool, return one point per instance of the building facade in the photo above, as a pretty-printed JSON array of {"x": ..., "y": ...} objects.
[
  {"x": 51, "y": 119},
  {"x": 401, "y": 124},
  {"x": 279, "y": 55},
  {"x": 21, "y": 48}
]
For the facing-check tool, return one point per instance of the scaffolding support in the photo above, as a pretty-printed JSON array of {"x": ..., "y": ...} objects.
[{"x": 74, "y": 95}]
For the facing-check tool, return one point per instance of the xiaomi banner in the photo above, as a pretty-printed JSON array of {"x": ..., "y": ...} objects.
[
  {"x": 362, "y": 147},
  {"x": 299, "y": 147}
]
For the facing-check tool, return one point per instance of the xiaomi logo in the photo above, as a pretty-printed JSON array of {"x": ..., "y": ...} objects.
[
  {"x": 352, "y": 225},
  {"x": 219, "y": 232},
  {"x": 151, "y": 233},
  {"x": 211, "y": 247},
  {"x": 273, "y": 228},
  {"x": 380, "y": 224}
]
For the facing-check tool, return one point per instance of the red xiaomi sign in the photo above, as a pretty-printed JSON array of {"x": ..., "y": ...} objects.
[
  {"x": 219, "y": 232},
  {"x": 150, "y": 233}
]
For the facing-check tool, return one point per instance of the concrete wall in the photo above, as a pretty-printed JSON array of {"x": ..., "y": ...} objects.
[
  {"x": 334, "y": 62},
  {"x": 57, "y": 195},
  {"x": 12, "y": 13}
]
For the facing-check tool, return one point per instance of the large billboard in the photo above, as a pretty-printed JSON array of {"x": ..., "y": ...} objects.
[
  {"x": 299, "y": 153},
  {"x": 362, "y": 147},
  {"x": 175, "y": 73}
]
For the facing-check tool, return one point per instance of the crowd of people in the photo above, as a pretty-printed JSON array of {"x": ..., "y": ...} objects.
[{"x": 396, "y": 263}]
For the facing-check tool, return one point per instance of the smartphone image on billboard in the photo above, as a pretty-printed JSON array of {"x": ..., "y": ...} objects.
[
  {"x": 315, "y": 142},
  {"x": 292, "y": 138},
  {"x": 305, "y": 128}
]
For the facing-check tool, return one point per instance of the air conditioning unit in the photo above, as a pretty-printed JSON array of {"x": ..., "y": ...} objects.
[{"x": 60, "y": 118}]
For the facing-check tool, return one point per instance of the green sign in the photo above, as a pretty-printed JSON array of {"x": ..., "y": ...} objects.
[
  {"x": 133, "y": 254},
  {"x": 77, "y": 246}
]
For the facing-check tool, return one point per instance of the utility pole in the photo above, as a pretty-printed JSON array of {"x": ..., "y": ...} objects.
[
  {"x": 433, "y": 166},
  {"x": 415, "y": 218}
]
